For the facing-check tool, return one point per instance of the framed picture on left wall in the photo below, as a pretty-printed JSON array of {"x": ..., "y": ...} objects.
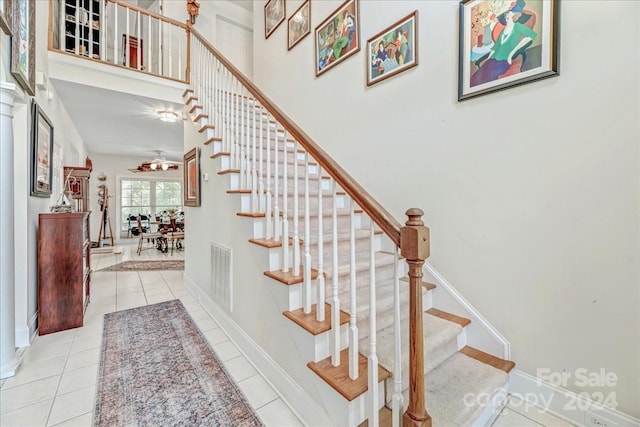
[
  {"x": 5, "y": 13},
  {"x": 23, "y": 43},
  {"x": 192, "y": 178},
  {"x": 41, "y": 152}
]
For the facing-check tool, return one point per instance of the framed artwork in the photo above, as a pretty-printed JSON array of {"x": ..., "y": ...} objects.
[
  {"x": 23, "y": 42},
  {"x": 274, "y": 13},
  {"x": 393, "y": 50},
  {"x": 337, "y": 37},
  {"x": 41, "y": 153},
  {"x": 505, "y": 44},
  {"x": 5, "y": 13},
  {"x": 299, "y": 24},
  {"x": 192, "y": 177}
]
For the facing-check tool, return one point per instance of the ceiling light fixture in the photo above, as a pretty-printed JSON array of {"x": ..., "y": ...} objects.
[
  {"x": 153, "y": 165},
  {"x": 168, "y": 116},
  {"x": 165, "y": 166}
]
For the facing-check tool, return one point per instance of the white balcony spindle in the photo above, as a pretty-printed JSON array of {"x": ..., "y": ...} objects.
[
  {"x": 160, "y": 49},
  {"x": 353, "y": 327},
  {"x": 115, "y": 33},
  {"x": 127, "y": 50},
  {"x": 320, "y": 278},
  {"x": 90, "y": 25},
  {"x": 139, "y": 41},
  {"x": 335, "y": 301},
  {"x": 296, "y": 212},
  {"x": 397, "y": 403},
  {"x": 169, "y": 41},
  {"x": 243, "y": 142},
  {"x": 373, "y": 357},
  {"x": 77, "y": 30},
  {"x": 149, "y": 49}
]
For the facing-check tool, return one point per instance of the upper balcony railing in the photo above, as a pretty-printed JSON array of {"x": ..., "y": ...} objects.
[{"x": 120, "y": 34}]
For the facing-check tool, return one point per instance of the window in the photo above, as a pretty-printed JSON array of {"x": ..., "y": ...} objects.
[{"x": 148, "y": 199}]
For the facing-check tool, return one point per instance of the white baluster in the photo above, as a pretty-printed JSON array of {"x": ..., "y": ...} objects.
[
  {"x": 335, "y": 301},
  {"x": 115, "y": 34},
  {"x": 296, "y": 211},
  {"x": 254, "y": 171},
  {"x": 170, "y": 52},
  {"x": 243, "y": 143},
  {"x": 179, "y": 55},
  {"x": 261, "y": 200},
  {"x": 373, "y": 357},
  {"x": 269, "y": 213},
  {"x": 307, "y": 237},
  {"x": 139, "y": 41},
  {"x": 353, "y": 328},
  {"x": 320, "y": 280},
  {"x": 160, "y": 49},
  {"x": 127, "y": 51},
  {"x": 77, "y": 30},
  {"x": 276, "y": 191},
  {"x": 247, "y": 129},
  {"x": 397, "y": 403},
  {"x": 285, "y": 212},
  {"x": 149, "y": 49}
]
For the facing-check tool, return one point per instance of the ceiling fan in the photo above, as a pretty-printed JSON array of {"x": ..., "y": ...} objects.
[{"x": 158, "y": 164}]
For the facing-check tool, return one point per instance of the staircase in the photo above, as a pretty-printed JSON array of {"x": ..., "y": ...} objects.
[{"x": 369, "y": 335}]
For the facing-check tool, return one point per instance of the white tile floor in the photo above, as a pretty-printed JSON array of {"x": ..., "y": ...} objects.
[{"x": 56, "y": 383}]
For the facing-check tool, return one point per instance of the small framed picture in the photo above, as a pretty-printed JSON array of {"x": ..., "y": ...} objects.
[
  {"x": 191, "y": 169},
  {"x": 505, "y": 44},
  {"x": 274, "y": 13},
  {"x": 393, "y": 50},
  {"x": 5, "y": 13},
  {"x": 337, "y": 37},
  {"x": 23, "y": 43},
  {"x": 41, "y": 153},
  {"x": 299, "y": 24}
]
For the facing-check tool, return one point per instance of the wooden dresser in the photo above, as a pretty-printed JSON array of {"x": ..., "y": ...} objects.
[{"x": 64, "y": 270}]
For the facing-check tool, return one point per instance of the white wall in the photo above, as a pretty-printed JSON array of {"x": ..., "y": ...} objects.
[
  {"x": 531, "y": 193},
  {"x": 116, "y": 168}
]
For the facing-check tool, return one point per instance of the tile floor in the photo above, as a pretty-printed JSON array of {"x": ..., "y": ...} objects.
[{"x": 56, "y": 383}]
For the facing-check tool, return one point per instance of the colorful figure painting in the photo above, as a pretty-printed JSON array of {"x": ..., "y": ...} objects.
[
  {"x": 337, "y": 37},
  {"x": 393, "y": 50},
  {"x": 505, "y": 43}
]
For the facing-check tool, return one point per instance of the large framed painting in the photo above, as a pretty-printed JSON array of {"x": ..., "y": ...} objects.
[
  {"x": 337, "y": 37},
  {"x": 274, "y": 13},
  {"x": 192, "y": 177},
  {"x": 393, "y": 50},
  {"x": 41, "y": 152},
  {"x": 505, "y": 44},
  {"x": 23, "y": 43},
  {"x": 299, "y": 24},
  {"x": 5, "y": 13}
]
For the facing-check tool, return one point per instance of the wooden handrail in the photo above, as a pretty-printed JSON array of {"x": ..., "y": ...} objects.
[
  {"x": 389, "y": 225},
  {"x": 149, "y": 13}
]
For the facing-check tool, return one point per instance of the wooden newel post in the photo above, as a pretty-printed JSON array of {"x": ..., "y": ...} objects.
[{"x": 414, "y": 246}]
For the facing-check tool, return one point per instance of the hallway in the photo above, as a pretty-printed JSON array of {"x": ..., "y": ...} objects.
[{"x": 56, "y": 383}]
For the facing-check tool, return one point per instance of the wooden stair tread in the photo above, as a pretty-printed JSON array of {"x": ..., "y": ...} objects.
[
  {"x": 205, "y": 127},
  {"x": 288, "y": 278},
  {"x": 338, "y": 376},
  {"x": 196, "y": 106},
  {"x": 252, "y": 214},
  {"x": 216, "y": 139},
  {"x": 309, "y": 322},
  {"x": 427, "y": 285},
  {"x": 384, "y": 418},
  {"x": 489, "y": 359},
  {"x": 462, "y": 321},
  {"x": 191, "y": 98},
  {"x": 201, "y": 116},
  {"x": 239, "y": 191},
  {"x": 227, "y": 171},
  {"x": 219, "y": 154},
  {"x": 188, "y": 90},
  {"x": 267, "y": 243}
]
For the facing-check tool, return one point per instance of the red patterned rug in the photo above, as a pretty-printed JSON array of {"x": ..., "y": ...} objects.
[
  {"x": 146, "y": 265},
  {"x": 157, "y": 369}
]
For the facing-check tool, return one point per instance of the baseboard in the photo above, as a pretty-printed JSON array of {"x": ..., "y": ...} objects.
[
  {"x": 565, "y": 404},
  {"x": 476, "y": 317},
  {"x": 294, "y": 396}
]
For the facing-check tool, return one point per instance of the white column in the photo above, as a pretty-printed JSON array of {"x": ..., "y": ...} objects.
[{"x": 8, "y": 360}]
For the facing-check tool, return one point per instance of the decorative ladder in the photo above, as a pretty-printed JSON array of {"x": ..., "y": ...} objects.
[{"x": 325, "y": 232}]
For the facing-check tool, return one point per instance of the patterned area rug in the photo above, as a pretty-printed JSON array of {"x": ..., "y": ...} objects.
[
  {"x": 157, "y": 369},
  {"x": 146, "y": 265}
]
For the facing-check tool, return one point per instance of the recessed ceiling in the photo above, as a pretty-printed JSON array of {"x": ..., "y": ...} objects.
[{"x": 118, "y": 123}]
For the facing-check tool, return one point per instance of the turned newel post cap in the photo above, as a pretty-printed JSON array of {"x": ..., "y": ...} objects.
[
  {"x": 414, "y": 237},
  {"x": 415, "y": 216}
]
